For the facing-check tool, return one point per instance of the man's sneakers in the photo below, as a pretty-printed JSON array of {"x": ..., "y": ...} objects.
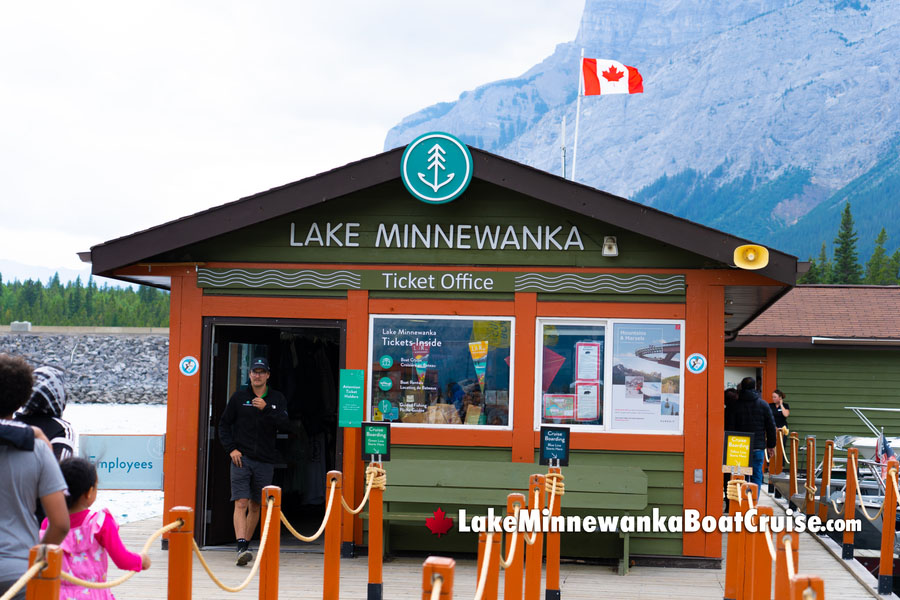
[{"x": 243, "y": 553}]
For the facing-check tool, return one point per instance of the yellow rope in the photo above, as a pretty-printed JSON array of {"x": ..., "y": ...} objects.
[
  {"x": 859, "y": 495},
  {"x": 438, "y": 583},
  {"x": 781, "y": 433},
  {"x": 515, "y": 542},
  {"x": 892, "y": 475},
  {"x": 789, "y": 558},
  {"x": 24, "y": 579},
  {"x": 482, "y": 579},
  {"x": 256, "y": 563},
  {"x": 765, "y": 534},
  {"x": 316, "y": 535},
  {"x": 533, "y": 504},
  {"x": 102, "y": 585},
  {"x": 373, "y": 475},
  {"x": 733, "y": 492},
  {"x": 809, "y": 594},
  {"x": 554, "y": 484}
]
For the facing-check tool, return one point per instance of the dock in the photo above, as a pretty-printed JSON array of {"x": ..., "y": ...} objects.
[{"x": 301, "y": 575}]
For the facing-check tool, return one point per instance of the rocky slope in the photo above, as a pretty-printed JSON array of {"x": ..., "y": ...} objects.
[{"x": 109, "y": 369}]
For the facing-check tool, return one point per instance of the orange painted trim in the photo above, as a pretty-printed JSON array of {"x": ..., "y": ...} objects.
[
  {"x": 422, "y": 436},
  {"x": 770, "y": 374},
  {"x": 715, "y": 413},
  {"x": 695, "y": 405},
  {"x": 182, "y": 414},
  {"x": 270, "y": 307},
  {"x": 610, "y": 310},
  {"x": 410, "y": 306},
  {"x": 356, "y": 357},
  {"x": 523, "y": 400}
]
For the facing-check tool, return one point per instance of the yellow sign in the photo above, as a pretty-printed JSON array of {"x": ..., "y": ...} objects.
[{"x": 737, "y": 454}]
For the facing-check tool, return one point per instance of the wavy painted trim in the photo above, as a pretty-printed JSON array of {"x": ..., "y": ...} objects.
[
  {"x": 592, "y": 284},
  {"x": 273, "y": 278}
]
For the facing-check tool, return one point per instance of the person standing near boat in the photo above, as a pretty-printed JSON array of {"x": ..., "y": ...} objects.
[
  {"x": 751, "y": 414},
  {"x": 780, "y": 409}
]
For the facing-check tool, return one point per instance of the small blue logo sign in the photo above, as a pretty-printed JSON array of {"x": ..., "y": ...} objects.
[
  {"x": 436, "y": 168},
  {"x": 696, "y": 363},
  {"x": 188, "y": 366}
]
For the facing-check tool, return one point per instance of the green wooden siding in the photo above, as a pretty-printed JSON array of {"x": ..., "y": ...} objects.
[
  {"x": 665, "y": 472},
  {"x": 820, "y": 383},
  {"x": 483, "y": 204}
]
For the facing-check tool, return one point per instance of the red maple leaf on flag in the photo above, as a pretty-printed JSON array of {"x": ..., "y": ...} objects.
[
  {"x": 613, "y": 74},
  {"x": 439, "y": 524}
]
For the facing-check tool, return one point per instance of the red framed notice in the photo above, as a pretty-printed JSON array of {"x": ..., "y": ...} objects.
[
  {"x": 587, "y": 400},
  {"x": 587, "y": 361}
]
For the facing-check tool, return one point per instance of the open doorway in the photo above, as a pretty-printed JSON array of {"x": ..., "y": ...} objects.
[{"x": 305, "y": 358}]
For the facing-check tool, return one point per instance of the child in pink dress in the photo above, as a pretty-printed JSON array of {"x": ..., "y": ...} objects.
[{"x": 92, "y": 536}]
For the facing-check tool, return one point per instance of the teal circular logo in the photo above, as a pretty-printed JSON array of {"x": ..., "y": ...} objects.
[
  {"x": 436, "y": 168},
  {"x": 385, "y": 383},
  {"x": 385, "y": 407},
  {"x": 386, "y": 361}
]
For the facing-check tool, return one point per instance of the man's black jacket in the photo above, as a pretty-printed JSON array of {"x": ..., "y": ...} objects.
[
  {"x": 751, "y": 414},
  {"x": 250, "y": 430}
]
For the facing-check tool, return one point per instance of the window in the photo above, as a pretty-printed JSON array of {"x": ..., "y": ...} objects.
[
  {"x": 610, "y": 375},
  {"x": 441, "y": 371}
]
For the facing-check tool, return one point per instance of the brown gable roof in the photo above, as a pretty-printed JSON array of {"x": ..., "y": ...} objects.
[{"x": 845, "y": 312}]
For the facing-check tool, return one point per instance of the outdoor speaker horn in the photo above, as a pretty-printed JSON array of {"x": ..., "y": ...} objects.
[{"x": 751, "y": 257}]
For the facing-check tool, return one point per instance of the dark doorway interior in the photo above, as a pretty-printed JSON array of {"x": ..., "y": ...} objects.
[{"x": 305, "y": 357}]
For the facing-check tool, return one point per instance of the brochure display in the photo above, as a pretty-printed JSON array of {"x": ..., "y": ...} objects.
[
  {"x": 646, "y": 376},
  {"x": 439, "y": 370},
  {"x": 572, "y": 373}
]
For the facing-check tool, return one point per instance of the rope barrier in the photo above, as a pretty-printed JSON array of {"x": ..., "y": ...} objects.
[
  {"x": 482, "y": 578},
  {"x": 789, "y": 557},
  {"x": 769, "y": 543},
  {"x": 256, "y": 563},
  {"x": 515, "y": 539},
  {"x": 892, "y": 475},
  {"x": 316, "y": 535},
  {"x": 781, "y": 432},
  {"x": 859, "y": 497},
  {"x": 103, "y": 585},
  {"x": 533, "y": 533},
  {"x": 733, "y": 491},
  {"x": 25, "y": 578},
  {"x": 809, "y": 594},
  {"x": 555, "y": 486},
  {"x": 438, "y": 583},
  {"x": 372, "y": 474}
]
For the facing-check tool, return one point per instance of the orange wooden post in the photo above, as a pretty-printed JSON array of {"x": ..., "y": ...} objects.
[
  {"x": 762, "y": 562},
  {"x": 180, "y": 548},
  {"x": 795, "y": 453},
  {"x": 332, "y": 578},
  {"x": 810, "y": 508},
  {"x": 751, "y": 540},
  {"x": 512, "y": 577},
  {"x": 776, "y": 465},
  {"x": 850, "y": 502},
  {"x": 734, "y": 552},
  {"x": 800, "y": 584},
  {"x": 438, "y": 567},
  {"x": 825, "y": 491},
  {"x": 479, "y": 560},
  {"x": 268, "y": 568},
  {"x": 534, "y": 554},
  {"x": 886, "y": 569},
  {"x": 44, "y": 585},
  {"x": 782, "y": 577},
  {"x": 376, "y": 541},
  {"x": 553, "y": 542},
  {"x": 492, "y": 564}
]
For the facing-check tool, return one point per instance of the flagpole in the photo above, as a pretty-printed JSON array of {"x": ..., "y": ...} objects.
[
  {"x": 562, "y": 145},
  {"x": 577, "y": 112}
]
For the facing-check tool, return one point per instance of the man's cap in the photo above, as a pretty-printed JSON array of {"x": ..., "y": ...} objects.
[{"x": 260, "y": 363}]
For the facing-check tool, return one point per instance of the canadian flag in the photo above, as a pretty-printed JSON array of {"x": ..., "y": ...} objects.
[{"x": 603, "y": 76}]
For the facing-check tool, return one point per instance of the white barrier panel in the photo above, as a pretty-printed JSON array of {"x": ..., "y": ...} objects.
[{"x": 125, "y": 462}]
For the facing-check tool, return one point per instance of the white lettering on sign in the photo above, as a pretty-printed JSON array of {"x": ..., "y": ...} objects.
[
  {"x": 435, "y": 236},
  {"x": 463, "y": 281}
]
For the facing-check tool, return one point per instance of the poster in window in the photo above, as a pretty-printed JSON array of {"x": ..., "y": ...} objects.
[
  {"x": 587, "y": 361},
  {"x": 587, "y": 401},
  {"x": 430, "y": 370},
  {"x": 646, "y": 376},
  {"x": 571, "y": 353},
  {"x": 559, "y": 406}
]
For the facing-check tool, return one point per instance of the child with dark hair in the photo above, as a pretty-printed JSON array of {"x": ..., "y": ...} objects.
[{"x": 93, "y": 535}]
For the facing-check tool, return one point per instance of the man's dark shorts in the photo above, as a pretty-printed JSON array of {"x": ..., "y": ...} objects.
[{"x": 248, "y": 481}]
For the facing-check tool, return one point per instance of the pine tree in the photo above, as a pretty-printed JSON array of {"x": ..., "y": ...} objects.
[
  {"x": 812, "y": 274},
  {"x": 824, "y": 266},
  {"x": 846, "y": 267},
  {"x": 878, "y": 269}
]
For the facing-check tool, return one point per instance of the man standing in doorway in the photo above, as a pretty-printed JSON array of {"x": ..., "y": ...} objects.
[
  {"x": 751, "y": 414},
  {"x": 247, "y": 431}
]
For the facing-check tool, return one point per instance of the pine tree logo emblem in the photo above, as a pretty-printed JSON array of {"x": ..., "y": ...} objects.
[{"x": 436, "y": 168}]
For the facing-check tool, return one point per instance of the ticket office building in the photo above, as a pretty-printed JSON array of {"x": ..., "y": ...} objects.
[{"x": 528, "y": 300}]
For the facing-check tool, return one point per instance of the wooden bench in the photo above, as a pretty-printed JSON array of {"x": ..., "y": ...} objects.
[{"x": 416, "y": 487}]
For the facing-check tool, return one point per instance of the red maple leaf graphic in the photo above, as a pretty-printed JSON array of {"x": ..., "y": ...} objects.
[
  {"x": 613, "y": 74},
  {"x": 439, "y": 524}
]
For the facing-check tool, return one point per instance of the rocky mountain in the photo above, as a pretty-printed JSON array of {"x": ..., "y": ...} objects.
[{"x": 759, "y": 118}]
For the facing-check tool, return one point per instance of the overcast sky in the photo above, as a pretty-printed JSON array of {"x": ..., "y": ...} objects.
[{"x": 117, "y": 116}]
